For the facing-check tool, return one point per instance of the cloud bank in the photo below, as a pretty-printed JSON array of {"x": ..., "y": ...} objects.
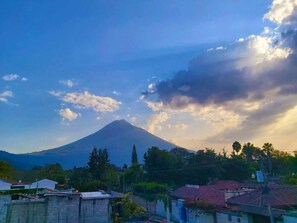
[{"x": 254, "y": 79}]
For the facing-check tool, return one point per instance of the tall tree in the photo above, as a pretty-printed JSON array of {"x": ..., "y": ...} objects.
[
  {"x": 134, "y": 159},
  {"x": 236, "y": 147},
  {"x": 93, "y": 163},
  {"x": 98, "y": 163}
]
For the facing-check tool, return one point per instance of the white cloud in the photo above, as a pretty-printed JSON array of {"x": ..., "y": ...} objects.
[
  {"x": 87, "y": 100},
  {"x": 14, "y": 77},
  {"x": 10, "y": 77},
  {"x": 68, "y": 114},
  {"x": 56, "y": 93},
  {"x": 68, "y": 83},
  {"x": 265, "y": 50},
  {"x": 116, "y": 93},
  {"x": 4, "y": 95},
  {"x": 282, "y": 11},
  {"x": 156, "y": 121}
]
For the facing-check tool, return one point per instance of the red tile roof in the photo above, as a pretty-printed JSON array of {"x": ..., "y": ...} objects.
[
  {"x": 278, "y": 196},
  {"x": 205, "y": 193},
  {"x": 228, "y": 185},
  {"x": 213, "y": 193}
]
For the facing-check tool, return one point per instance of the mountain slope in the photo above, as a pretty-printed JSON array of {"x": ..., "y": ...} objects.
[{"x": 118, "y": 138}]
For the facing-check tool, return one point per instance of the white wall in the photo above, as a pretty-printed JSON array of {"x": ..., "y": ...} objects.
[
  {"x": 44, "y": 184},
  {"x": 225, "y": 218},
  {"x": 198, "y": 216},
  {"x": 160, "y": 208},
  {"x": 4, "y": 185}
]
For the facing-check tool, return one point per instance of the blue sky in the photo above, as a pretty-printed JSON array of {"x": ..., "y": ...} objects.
[{"x": 68, "y": 68}]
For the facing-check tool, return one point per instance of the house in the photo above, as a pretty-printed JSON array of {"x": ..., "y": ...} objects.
[
  {"x": 256, "y": 203},
  {"x": 45, "y": 183},
  {"x": 56, "y": 207},
  {"x": 201, "y": 203},
  {"x": 4, "y": 185}
]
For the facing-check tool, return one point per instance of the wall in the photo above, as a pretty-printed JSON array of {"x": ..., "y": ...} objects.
[
  {"x": 94, "y": 211},
  {"x": 198, "y": 216},
  {"x": 174, "y": 211},
  {"x": 4, "y": 185},
  {"x": 160, "y": 208},
  {"x": 58, "y": 208},
  {"x": 233, "y": 218},
  {"x": 26, "y": 212},
  {"x": 63, "y": 208},
  {"x": 3, "y": 207}
]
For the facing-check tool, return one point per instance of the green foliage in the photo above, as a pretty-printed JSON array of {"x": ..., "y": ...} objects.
[
  {"x": 291, "y": 180},
  {"x": 98, "y": 163},
  {"x": 130, "y": 210},
  {"x": 6, "y": 170},
  {"x": 79, "y": 176},
  {"x": 150, "y": 188},
  {"x": 53, "y": 172},
  {"x": 134, "y": 174},
  {"x": 93, "y": 186},
  {"x": 162, "y": 166}
]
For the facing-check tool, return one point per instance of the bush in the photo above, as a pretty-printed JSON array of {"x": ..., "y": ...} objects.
[{"x": 150, "y": 188}]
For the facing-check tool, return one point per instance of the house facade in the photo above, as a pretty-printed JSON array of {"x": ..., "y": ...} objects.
[{"x": 56, "y": 208}]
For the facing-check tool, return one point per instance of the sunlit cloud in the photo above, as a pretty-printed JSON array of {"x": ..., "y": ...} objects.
[
  {"x": 95, "y": 102},
  {"x": 68, "y": 114},
  {"x": 156, "y": 120},
  {"x": 239, "y": 89},
  {"x": 282, "y": 12}
]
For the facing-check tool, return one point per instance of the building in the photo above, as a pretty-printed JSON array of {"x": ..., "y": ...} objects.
[
  {"x": 281, "y": 198},
  {"x": 44, "y": 183},
  {"x": 4, "y": 185},
  {"x": 203, "y": 203},
  {"x": 56, "y": 208}
]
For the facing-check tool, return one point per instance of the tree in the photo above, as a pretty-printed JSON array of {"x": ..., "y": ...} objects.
[
  {"x": 248, "y": 151},
  {"x": 236, "y": 147},
  {"x": 54, "y": 172},
  {"x": 93, "y": 163},
  {"x": 98, "y": 163},
  {"x": 268, "y": 149},
  {"x": 134, "y": 156},
  {"x": 6, "y": 171}
]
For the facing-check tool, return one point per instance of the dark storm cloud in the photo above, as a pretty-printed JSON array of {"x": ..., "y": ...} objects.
[{"x": 216, "y": 78}]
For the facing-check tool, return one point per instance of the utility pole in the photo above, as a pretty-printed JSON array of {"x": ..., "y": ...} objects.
[{"x": 265, "y": 189}]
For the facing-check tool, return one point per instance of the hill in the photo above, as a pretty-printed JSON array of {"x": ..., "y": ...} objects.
[{"x": 118, "y": 138}]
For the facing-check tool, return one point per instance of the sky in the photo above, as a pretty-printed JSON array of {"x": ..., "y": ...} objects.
[{"x": 201, "y": 73}]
